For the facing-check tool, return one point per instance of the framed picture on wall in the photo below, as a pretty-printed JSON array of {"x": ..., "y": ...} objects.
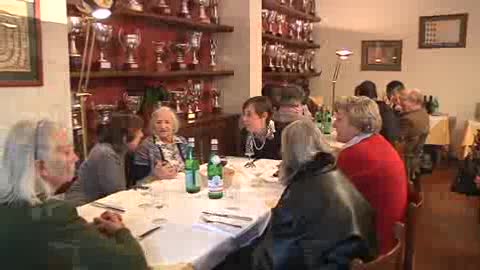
[
  {"x": 382, "y": 55},
  {"x": 20, "y": 43},
  {"x": 443, "y": 31}
]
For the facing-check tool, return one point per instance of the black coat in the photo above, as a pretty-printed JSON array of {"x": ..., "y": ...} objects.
[
  {"x": 320, "y": 222},
  {"x": 390, "y": 122},
  {"x": 271, "y": 149}
]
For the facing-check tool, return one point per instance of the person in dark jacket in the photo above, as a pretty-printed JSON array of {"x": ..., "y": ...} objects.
[
  {"x": 38, "y": 232},
  {"x": 321, "y": 221},
  {"x": 260, "y": 138},
  {"x": 290, "y": 106},
  {"x": 390, "y": 121}
]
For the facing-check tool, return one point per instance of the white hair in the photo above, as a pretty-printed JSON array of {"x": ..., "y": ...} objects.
[
  {"x": 301, "y": 141},
  {"x": 27, "y": 142},
  {"x": 175, "y": 121}
]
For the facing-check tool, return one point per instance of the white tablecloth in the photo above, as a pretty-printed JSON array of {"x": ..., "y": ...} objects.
[
  {"x": 439, "y": 133},
  {"x": 184, "y": 238},
  {"x": 471, "y": 127}
]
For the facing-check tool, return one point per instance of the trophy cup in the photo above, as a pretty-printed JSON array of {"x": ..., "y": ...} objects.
[
  {"x": 306, "y": 31},
  {"x": 180, "y": 49},
  {"x": 313, "y": 7},
  {"x": 216, "y": 104},
  {"x": 271, "y": 53},
  {"x": 298, "y": 29},
  {"x": 184, "y": 11},
  {"x": 305, "y": 5},
  {"x": 290, "y": 3},
  {"x": 130, "y": 43},
  {"x": 272, "y": 17},
  {"x": 197, "y": 93},
  {"x": 292, "y": 28},
  {"x": 160, "y": 48},
  {"x": 280, "y": 22},
  {"x": 160, "y": 7},
  {"x": 104, "y": 113},
  {"x": 75, "y": 25},
  {"x": 178, "y": 97},
  {"x": 310, "y": 33},
  {"x": 283, "y": 2},
  {"x": 134, "y": 5},
  {"x": 311, "y": 57},
  {"x": 213, "y": 54},
  {"x": 264, "y": 20},
  {"x": 133, "y": 103},
  {"x": 195, "y": 42},
  {"x": 103, "y": 36},
  {"x": 214, "y": 12},
  {"x": 278, "y": 57},
  {"x": 288, "y": 65},
  {"x": 301, "y": 63},
  {"x": 202, "y": 10},
  {"x": 294, "y": 57}
]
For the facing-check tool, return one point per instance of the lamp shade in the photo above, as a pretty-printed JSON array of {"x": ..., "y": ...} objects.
[
  {"x": 99, "y": 9},
  {"x": 343, "y": 53}
]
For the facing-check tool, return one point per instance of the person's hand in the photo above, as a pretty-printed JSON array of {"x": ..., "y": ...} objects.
[
  {"x": 109, "y": 223},
  {"x": 163, "y": 170}
]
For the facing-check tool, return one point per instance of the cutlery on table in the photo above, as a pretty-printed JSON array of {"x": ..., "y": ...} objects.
[
  {"x": 205, "y": 219},
  {"x": 149, "y": 232},
  {"x": 251, "y": 163},
  {"x": 228, "y": 216},
  {"x": 107, "y": 206}
]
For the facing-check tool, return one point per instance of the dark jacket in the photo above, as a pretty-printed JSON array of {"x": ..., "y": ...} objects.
[
  {"x": 320, "y": 222},
  {"x": 53, "y": 236},
  {"x": 271, "y": 149},
  {"x": 390, "y": 122},
  {"x": 414, "y": 129}
]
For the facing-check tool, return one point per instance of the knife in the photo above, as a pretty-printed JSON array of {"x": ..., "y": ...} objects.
[
  {"x": 147, "y": 233},
  {"x": 106, "y": 206},
  {"x": 228, "y": 216}
]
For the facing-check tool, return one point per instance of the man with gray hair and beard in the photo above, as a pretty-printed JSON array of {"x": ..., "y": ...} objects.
[{"x": 38, "y": 232}]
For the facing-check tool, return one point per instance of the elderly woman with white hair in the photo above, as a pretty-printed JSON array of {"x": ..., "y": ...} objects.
[
  {"x": 38, "y": 232},
  {"x": 162, "y": 154},
  {"x": 372, "y": 164},
  {"x": 321, "y": 221}
]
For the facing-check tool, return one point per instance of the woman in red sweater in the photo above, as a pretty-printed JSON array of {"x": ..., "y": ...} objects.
[{"x": 372, "y": 164}]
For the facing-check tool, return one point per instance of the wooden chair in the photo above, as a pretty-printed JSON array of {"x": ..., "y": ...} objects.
[
  {"x": 390, "y": 261},
  {"x": 415, "y": 201}
]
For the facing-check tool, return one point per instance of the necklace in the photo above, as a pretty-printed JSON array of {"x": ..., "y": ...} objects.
[{"x": 264, "y": 139}]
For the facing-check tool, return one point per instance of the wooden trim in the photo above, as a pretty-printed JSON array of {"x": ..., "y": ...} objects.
[
  {"x": 463, "y": 31},
  {"x": 291, "y": 42},
  {"x": 156, "y": 75},
  {"x": 290, "y": 75},
  {"x": 289, "y": 11}
]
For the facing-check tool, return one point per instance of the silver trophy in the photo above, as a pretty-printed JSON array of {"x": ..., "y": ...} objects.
[
  {"x": 264, "y": 20},
  {"x": 214, "y": 12},
  {"x": 178, "y": 98},
  {"x": 309, "y": 36},
  {"x": 290, "y": 3},
  {"x": 213, "y": 53},
  {"x": 311, "y": 59},
  {"x": 203, "y": 4},
  {"x": 103, "y": 35},
  {"x": 105, "y": 113},
  {"x": 306, "y": 5},
  {"x": 301, "y": 63},
  {"x": 133, "y": 103},
  {"x": 271, "y": 18},
  {"x": 161, "y": 50},
  {"x": 283, "y": 2},
  {"x": 216, "y": 104},
  {"x": 280, "y": 23},
  {"x": 313, "y": 8},
  {"x": 180, "y": 49},
  {"x": 197, "y": 93},
  {"x": 160, "y": 7},
  {"x": 195, "y": 42},
  {"x": 298, "y": 29},
  {"x": 134, "y": 5},
  {"x": 271, "y": 54},
  {"x": 184, "y": 11},
  {"x": 292, "y": 28},
  {"x": 130, "y": 43},
  {"x": 75, "y": 26}
]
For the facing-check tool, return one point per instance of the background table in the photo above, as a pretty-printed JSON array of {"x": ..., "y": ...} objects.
[
  {"x": 469, "y": 132},
  {"x": 439, "y": 133},
  {"x": 184, "y": 238}
]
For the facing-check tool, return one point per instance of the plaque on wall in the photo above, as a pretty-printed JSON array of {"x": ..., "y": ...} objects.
[{"x": 443, "y": 31}]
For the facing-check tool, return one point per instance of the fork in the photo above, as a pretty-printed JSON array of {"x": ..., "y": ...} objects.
[
  {"x": 220, "y": 222},
  {"x": 251, "y": 163}
]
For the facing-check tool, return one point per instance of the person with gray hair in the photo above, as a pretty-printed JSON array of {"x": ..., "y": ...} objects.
[
  {"x": 372, "y": 164},
  {"x": 162, "y": 154},
  {"x": 321, "y": 221},
  {"x": 38, "y": 160}
]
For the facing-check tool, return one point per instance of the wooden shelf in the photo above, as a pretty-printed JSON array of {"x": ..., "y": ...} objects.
[
  {"x": 291, "y": 42},
  {"x": 289, "y": 11},
  {"x": 155, "y": 75},
  {"x": 290, "y": 75}
]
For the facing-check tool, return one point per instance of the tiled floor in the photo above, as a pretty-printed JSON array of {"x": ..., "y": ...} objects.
[{"x": 449, "y": 227}]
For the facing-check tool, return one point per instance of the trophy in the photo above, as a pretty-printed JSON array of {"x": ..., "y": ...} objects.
[
  {"x": 216, "y": 105},
  {"x": 195, "y": 42},
  {"x": 292, "y": 27},
  {"x": 178, "y": 97},
  {"x": 278, "y": 57},
  {"x": 161, "y": 7},
  {"x": 202, "y": 10},
  {"x": 130, "y": 43},
  {"x": 271, "y": 53},
  {"x": 105, "y": 113},
  {"x": 180, "y": 49},
  {"x": 288, "y": 65},
  {"x": 313, "y": 7},
  {"x": 272, "y": 16},
  {"x": 290, "y": 3},
  {"x": 283, "y": 2},
  {"x": 103, "y": 36},
  {"x": 75, "y": 25},
  {"x": 298, "y": 29},
  {"x": 133, "y": 103},
  {"x": 264, "y": 20},
  {"x": 197, "y": 93},
  {"x": 309, "y": 36},
  {"x": 214, "y": 12},
  {"x": 294, "y": 61},
  {"x": 305, "y": 5},
  {"x": 213, "y": 53},
  {"x": 134, "y": 5},
  {"x": 280, "y": 22},
  {"x": 160, "y": 48},
  {"x": 184, "y": 12},
  {"x": 311, "y": 57},
  {"x": 301, "y": 63}
]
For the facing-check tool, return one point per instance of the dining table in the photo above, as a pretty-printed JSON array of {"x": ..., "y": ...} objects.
[{"x": 175, "y": 227}]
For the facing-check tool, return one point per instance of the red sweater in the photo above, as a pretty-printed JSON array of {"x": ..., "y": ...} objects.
[{"x": 376, "y": 170}]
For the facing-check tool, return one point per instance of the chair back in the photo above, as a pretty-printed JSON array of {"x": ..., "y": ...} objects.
[
  {"x": 390, "y": 261},
  {"x": 415, "y": 201},
  {"x": 413, "y": 156}
]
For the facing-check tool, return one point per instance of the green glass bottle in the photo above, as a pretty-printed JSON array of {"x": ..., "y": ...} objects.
[
  {"x": 215, "y": 172},
  {"x": 192, "y": 167},
  {"x": 327, "y": 123},
  {"x": 319, "y": 118}
]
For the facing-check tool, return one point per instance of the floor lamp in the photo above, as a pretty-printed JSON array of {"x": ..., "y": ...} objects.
[
  {"x": 94, "y": 12},
  {"x": 341, "y": 56}
]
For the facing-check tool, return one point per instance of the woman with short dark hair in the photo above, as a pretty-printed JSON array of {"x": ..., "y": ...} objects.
[
  {"x": 259, "y": 138},
  {"x": 103, "y": 172}
]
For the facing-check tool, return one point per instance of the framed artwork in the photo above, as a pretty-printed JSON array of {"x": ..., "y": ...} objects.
[
  {"x": 382, "y": 55},
  {"x": 20, "y": 43},
  {"x": 443, "y": 31}
]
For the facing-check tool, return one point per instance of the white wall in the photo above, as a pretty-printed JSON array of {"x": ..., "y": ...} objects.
[
  {"x": 53, "y": 98},
  {"x": 449, "y": 74}
]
